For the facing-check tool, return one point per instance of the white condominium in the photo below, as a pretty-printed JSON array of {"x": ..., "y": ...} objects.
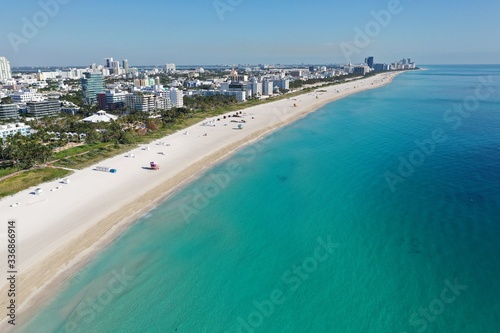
[
  {"x": 5, "y": 73},
  {"x": 177, "y": 98},
  {"x": 26, "y": 95}
]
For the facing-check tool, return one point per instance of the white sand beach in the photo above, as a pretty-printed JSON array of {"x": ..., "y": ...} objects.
[{"x": 59, "y": 230}]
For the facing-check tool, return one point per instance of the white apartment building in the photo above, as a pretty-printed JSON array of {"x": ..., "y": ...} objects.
[
  {"x": 138, "y": 101},
  {"x": 267, "y": 87},
  {"x": 256, "y": 88},
  {"x": 162, "y": 103},
  {"x": 164, "y": 97},
  {"x": 5, "y": 73},
  {"x": 176, "y": 97},
  {"x": 11, "y": 129},
  {"x": 281, "y": 84},
  {"x": 73, "y": 73},
  {"x": 241, "y": 96},
  {"x": 115, "y": 96},
  {"x": 26, "y": 95},
  {"x": 143, "y": 102}
]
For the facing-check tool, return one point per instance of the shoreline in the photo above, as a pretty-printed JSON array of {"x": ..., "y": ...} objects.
[{"x": 49, "y": 267}]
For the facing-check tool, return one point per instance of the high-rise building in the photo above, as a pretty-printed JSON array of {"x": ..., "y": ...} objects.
[
  {"x": 42, "y": 109},
  {"x": 112, "y": 66},
  {"x": 241, "y": 96},
  {"x": 115, "y": 68},
  {"x": 369, "y": 62},
  {"x": 108, "y": 62},
  {"x": 177, "y": 97},
  {"x": 140, "y": 102},
  {"x": 283, "y": 84},
  {"x": 111, "y": 100},
  {"x": 267, "y": 87},
  {"x": 5, "y": 73},
  {"x": 361, "y": 70},
  {"x": 9, "y": 111},
  {"x": 381, "y": 67},
  {"x": 92, "y": 84},
  {"x": 125, "y": 65},
  {"x": 164, "y": 97},
  {"x": 256, "y": 88}
]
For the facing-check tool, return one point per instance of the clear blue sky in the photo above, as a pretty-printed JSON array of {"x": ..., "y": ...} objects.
[{"x": 156, "y": 32}]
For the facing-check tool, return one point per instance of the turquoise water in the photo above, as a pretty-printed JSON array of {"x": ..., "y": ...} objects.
[{"x": 303, "y": 232}]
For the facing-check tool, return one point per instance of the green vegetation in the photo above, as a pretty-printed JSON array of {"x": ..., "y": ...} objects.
[
  {"x": 49, "y": 88},
  {"x": 73, "y": 97},
  {"x": 91, "y": 156},
  {"x": 25, "y": 152},
  {"x": 72, "y": 82},
  {"x": 209, "y": 102},
  {"x": 5, "y": 171},
  {"x": 28, "y": 179},
  {"x": 7, "y": 100},
  {"x": 329, "y": 80},
  {"x": 78, "y": 150}
]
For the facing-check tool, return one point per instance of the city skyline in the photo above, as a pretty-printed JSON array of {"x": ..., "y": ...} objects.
[{"x": 74, "y": 33}]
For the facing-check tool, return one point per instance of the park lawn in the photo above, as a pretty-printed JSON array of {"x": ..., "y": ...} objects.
[
  {"x": 30, "y": 178},
  {"x": 92, "y": 156},
  {"x": 78, "y": 150},
  {"x": 7, "y": 171}
]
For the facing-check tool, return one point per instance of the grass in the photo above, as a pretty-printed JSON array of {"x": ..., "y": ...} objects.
[
  {"x": 78, "y": 150},
  {"x": 92, "y": 156},
  {"x": 28, "y": 179},
  {"x": 7, "y": 171}
]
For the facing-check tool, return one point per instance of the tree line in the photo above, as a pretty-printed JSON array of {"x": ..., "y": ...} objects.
[
  {"x": 24, "y": 152},
  {"x": 200, "y": 102}
]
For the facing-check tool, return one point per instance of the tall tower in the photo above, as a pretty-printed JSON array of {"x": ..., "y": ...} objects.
[
  {"x": 108, "y": 62},
  {"x": 125, "y": 65},
  {"x": 369, "y": 62},
  {"x": 5, "y": 73},
  {"x": 92, "y": 84}
]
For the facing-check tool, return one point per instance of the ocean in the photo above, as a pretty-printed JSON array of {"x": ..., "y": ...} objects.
[{"x": 379, "y": 212}]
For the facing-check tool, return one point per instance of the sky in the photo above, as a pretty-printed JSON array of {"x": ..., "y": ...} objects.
[{"x": 209, "y": 32}]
